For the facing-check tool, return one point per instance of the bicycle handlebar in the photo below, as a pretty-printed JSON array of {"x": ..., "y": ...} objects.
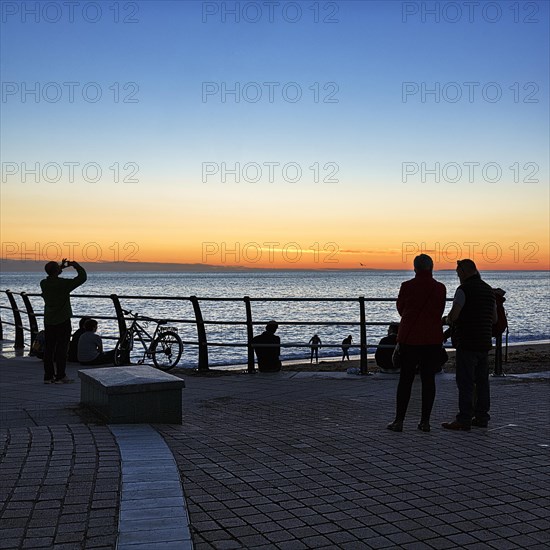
[{"x": 139, "y": 317}]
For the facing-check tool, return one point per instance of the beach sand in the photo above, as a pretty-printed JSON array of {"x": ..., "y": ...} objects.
[{"x": 522, "y": 358}]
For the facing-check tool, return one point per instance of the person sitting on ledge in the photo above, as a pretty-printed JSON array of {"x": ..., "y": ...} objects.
[
  {"x": 90, "y": 347},
  {"x": 384, "y": 356},
  {"x": 268, "y": 347}
]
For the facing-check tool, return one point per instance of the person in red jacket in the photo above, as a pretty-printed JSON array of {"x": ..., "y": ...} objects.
[{"x": 421, "y": 303}]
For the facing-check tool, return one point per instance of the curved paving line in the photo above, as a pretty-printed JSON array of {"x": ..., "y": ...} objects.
[{"x": 153, "y": 514}]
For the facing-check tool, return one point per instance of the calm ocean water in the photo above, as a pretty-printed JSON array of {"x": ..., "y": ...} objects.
[{"x": 527, "y": 304}]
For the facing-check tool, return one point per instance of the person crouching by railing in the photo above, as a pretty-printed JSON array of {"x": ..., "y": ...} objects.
[
  {"x": 384, "y": 355},
  {"x": 268, "y": 348},
  {"x": 90, "y": 347}
]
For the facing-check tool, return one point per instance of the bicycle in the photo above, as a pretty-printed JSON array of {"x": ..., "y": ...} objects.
[{"x": 164, "y": 347}]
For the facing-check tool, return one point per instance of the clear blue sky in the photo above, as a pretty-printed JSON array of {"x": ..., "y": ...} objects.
[{"x": 368, "y": 52}]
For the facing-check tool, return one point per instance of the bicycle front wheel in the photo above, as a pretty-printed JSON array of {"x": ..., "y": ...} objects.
[{"x": 166, "y": 350}]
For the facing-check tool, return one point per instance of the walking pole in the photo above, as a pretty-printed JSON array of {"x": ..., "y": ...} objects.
[{"x": 506, "y": 352}]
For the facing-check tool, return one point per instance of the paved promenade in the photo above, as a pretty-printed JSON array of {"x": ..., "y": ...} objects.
[{"x": 284, "y": 461}]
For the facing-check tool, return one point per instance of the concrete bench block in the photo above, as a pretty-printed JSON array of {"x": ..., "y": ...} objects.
[{"x": 132, "y": 395}]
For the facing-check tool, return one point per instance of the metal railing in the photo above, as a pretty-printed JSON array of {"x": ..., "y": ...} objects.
[{"x": 200, "y": 323}]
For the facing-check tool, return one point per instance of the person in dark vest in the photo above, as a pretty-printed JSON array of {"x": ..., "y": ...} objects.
[
  {"x": 472, "y": 317},
  {"x": 268, "y": 348},
  {"x": 384, "y": 356},
  {"x": 421, "y": 303}
]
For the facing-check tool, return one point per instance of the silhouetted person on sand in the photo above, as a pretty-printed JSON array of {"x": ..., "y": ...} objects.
[
  {"x": 267, "y": 348},
  {"x": 57, "y": 318},
  {"x": 315, "y": 344},
  {"x": 346, "y": 343},
  {"x": 384, "y": 356}
]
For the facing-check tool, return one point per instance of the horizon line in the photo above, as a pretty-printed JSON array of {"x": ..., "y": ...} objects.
[{"x": 202, "y": 268}]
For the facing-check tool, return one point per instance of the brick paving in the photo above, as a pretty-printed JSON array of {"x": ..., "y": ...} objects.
[
  {"x": 59, "y": 488},
  {"x": 307, "y": 463},
  {"x": 285, "y": 462}
]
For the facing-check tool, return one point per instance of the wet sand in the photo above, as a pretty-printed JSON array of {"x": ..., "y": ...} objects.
[{"x": 522, "y": 358}]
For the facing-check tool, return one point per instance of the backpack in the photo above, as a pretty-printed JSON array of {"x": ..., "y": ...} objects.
[
  {"x": 502, "y": 322},
  {"x": 37, "y": 348}
]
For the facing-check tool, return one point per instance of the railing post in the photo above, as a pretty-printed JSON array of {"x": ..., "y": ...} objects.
[
  {"x": 121, "y": 328},
  {"x": 119, "y": 315},
  {"x": 33, "y": 324},
  {"x": 19, "y": 338},
  {"x": 201, "y": 333},
  {"x": 498, "y": 356},
  {"x": 249, "y": 334},
  {"x": 363, "y": 336}
]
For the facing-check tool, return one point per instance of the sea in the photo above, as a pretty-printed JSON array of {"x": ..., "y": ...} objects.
[{"x": 527, "y": 305}]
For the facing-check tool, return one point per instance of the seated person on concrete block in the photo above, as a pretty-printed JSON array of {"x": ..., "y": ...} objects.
[
  {"x": 383, "y": 356},
  {"x": 267, "y": 348},
  {"x": 90, "y": 347}
]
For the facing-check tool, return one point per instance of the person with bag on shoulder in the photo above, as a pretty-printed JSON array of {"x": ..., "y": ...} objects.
[
  {"x": 472, "y": 318},
  {"x": 421, "y": 303}
]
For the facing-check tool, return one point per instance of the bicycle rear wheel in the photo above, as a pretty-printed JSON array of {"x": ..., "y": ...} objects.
[
  {"x": 122, "y": 350},
  {"x": 166, "y": 350}
]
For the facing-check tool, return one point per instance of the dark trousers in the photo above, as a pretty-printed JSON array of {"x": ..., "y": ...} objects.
[
  {"x": 56, "y": 345},
  {"x": 314, "y": 351},
  {"x": 472, "y": 379},
  {"x": 426, "y": 358}
]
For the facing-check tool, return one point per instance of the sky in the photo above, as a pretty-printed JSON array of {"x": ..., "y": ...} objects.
[{"x": 340, "y": 135}]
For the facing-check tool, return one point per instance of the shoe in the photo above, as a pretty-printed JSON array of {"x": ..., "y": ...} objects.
[
  {"x": 479, "y": 423},
  {"x": 64, "y": 380},
  {"x": 424, "y": 426},
  {"x": 395, "y": 426},
  {"x": 457, "y": 426},
  {"x": 49, "y": 380}
]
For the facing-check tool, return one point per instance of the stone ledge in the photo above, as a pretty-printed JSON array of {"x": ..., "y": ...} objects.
[
  {"x": 132, "y": 395},
  {"x": 135, "y": 379}
]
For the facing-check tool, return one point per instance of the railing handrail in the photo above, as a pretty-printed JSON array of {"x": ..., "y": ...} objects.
[
  {"x": 121, "y": 316},
  {"x": 227, "y": 299}
]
